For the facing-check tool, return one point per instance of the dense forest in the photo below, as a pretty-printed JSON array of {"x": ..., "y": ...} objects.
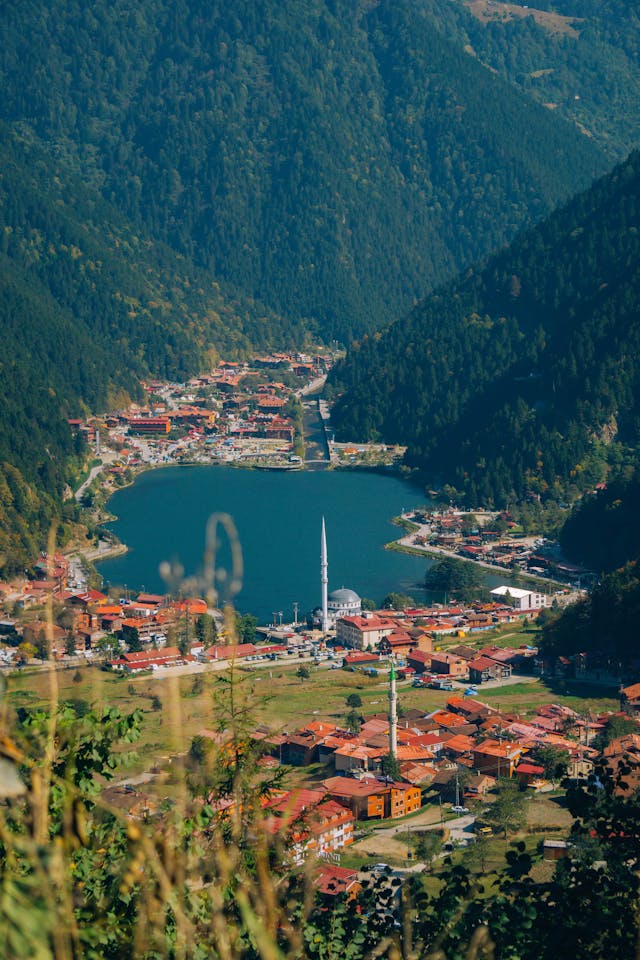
[
  {"x": 604, "y": 622},
  {"x": 88, "y": 307},
  {"x": 577, "y": 57},
  {"x": 332, "y": 159},
  {"x": 185, "y": 180},
  {"x": 520, "y": 379},
  {"x": 603, "y": 532}
]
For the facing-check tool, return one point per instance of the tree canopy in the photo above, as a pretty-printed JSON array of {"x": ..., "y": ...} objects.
[{"x": 520, "y": 379}]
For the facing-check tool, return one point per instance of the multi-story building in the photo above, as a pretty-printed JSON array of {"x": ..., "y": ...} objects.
[{"x": 363, "y": 632}]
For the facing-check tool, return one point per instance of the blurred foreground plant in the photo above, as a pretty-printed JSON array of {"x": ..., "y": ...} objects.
[{"x": 211, "y": 879}]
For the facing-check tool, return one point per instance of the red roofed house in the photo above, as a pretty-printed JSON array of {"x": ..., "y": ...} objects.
[
  {"x": 496, "y": 758},
  {"x": 369, "y": 798},
  {"x": 151, "y": 599},
  {"x": 84, "y": 599},
  {"x": 530, "y": 774},
  {"x": 457, "y": 745},
  {"x": 359, "y": 659},
  {"x": 312, "y": 823},
  {"x": 331, "y": 881},
  {"x": 363, "y": 633},
  {"x": 450, "y": 664},
  {"x": 630, "y": 699},
  {"x": 148, "y": 659},
  {"x": 355, "y": 755},
  {"x": 403, "y": 642},
  {"x": 483, "y": 669},
  {"x": 149, "y": 425},
  {"x": 419, "y": 661},
  {"x": 450, "y": 721},
  {"x": 405, "y": 799},
  {"x": 366, "y": 797},
  {"x": 471, "y": 709}
]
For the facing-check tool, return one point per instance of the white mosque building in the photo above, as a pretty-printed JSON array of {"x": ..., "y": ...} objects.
[{"x": 338, "y": 603}]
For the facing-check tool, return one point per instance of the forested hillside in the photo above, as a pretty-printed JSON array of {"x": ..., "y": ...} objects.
[
  {"x": 333, "y": 159},
  {"x": 522, "y": 377},
  {"x": 578, "y": 57},
  {"x": 185, "y": 178},
  {"x": 605, "y": 621},
  {"x": 603, "y": 531},
  {"x": 87, "y": 307}
]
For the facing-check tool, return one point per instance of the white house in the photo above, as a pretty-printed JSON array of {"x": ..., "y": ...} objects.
[{"x": 523, "y": 600}]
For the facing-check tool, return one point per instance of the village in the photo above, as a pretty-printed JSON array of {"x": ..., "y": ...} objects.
[
  {"x": 492, "y": 540},
  {"x": 247, "y": 413},
  {"x": 446, "y": 702},
  {"x": 430, "y": 735}
]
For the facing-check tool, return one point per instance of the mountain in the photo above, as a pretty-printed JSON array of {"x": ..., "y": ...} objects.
[
  {"x": 522, "y": 377},
  {"x": 88, "y": 307},
  {"x": 580, "y": 58},
  {"x": 185, "y": 179},
  {"x": 331, "y": 159}
]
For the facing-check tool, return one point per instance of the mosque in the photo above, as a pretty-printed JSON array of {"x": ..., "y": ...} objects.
[{"x": 338, "y": 603}]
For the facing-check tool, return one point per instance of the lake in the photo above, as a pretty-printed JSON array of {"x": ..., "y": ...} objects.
[{"x": 278, "y": 516}]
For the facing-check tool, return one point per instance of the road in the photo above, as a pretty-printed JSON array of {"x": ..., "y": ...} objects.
[
  {"x": 312, "y": 387},
  {"x": 384, "y": 843},
  {"x": 107, "y": 459},
  {"x": 459, "y": 829}
]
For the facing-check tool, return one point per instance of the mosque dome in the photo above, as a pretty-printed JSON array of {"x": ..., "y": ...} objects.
[
  {"x": 343, "y": 603},
  {"x": 343, "y": 595}
]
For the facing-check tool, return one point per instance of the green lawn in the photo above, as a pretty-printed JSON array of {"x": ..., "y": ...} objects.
[{"x": 525, "y": 697}]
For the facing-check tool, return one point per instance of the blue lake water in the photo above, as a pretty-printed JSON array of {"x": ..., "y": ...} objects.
[{"x": 278, "y": 516}]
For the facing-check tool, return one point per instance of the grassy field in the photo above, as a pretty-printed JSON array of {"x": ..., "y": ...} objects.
[
  {"x": 274, "y": 696},
  {"x": 525, "y": 697}
]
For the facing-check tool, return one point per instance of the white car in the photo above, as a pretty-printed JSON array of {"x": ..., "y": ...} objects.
[{"x": 458, "y": 809}]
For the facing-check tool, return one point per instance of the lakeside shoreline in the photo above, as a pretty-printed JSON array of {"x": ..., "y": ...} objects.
[
  {"x": 118, "y": 548},
  {"x": 439, "y": 552}
]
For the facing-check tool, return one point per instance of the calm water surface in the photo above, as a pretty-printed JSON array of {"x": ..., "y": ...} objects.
[{"x": 278, "y": 517}]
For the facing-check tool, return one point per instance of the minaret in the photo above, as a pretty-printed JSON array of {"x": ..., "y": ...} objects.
[
  {"x": 393, "y": 713},
  {"x": 324, "y": 578}
]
